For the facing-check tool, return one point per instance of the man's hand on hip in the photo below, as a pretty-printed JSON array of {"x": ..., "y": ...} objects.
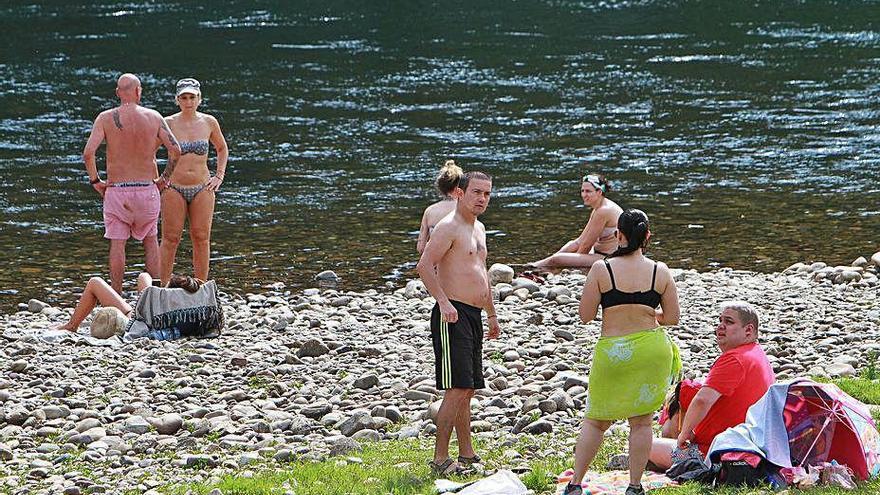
[{"x": 100, "y": 186}]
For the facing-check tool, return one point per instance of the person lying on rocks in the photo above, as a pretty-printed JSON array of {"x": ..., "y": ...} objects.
[
  {"x": 598, "y": 240},
  {"x": 453, "y": 269},
  {"x": 739, "y": 377},
  {"x": 163, "y": 313},
  {"x": 634, "y": 361}
]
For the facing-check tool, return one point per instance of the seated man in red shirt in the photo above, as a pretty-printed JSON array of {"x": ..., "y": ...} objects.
[{"x": 738, "y": 378}]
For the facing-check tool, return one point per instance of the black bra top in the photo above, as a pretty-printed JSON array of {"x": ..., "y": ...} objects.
[{"x": 616, "y": 297}]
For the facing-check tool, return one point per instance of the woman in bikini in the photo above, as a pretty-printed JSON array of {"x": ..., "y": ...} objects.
[
  {"x": 598, "y": 240},
  {"x": 192, "y": 188},
  {"x": 634, "y": 361},
  {"x": 446, "y": 183}
]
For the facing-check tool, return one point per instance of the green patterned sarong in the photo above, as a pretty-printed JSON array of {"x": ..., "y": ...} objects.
[{"x": 631, "y": 374}]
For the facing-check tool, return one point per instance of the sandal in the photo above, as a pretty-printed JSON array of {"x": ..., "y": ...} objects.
[
  {"x": 573, "y": 490},
  {"x": 467, "y": 461},
  {"x": 635, "y": 490},
  {"x": 446, "y": 468}
]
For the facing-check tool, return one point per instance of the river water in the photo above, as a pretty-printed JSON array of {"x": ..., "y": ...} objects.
[{"x": 747, "y": 130}]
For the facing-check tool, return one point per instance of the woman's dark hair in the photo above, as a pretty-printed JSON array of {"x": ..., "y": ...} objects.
[
  {"x": 189, "y": 284},
  {"x": 633, "y": 224},
  {"x": 448, "y": 179}
]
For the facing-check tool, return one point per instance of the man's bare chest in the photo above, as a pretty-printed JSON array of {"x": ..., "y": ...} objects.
[{"x": 470, "y": 247}]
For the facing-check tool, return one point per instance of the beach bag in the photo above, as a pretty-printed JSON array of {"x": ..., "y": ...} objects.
[{"x": 742, "y": 469}]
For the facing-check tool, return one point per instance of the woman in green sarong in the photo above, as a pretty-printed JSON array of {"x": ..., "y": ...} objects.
[{"x": 634, "y": 362}]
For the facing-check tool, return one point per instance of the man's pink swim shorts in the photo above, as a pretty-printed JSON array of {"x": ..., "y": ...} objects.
[{"x": 131, "y": 211}]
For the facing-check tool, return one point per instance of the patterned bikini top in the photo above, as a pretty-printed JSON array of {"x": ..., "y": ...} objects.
[{"x": 199, "y": 147}]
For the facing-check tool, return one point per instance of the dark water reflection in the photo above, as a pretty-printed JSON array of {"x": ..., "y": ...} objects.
[{"x": 748, "y": 132}]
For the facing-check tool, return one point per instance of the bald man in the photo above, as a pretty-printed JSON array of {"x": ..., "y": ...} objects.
[{"x": 131, "y": 192}]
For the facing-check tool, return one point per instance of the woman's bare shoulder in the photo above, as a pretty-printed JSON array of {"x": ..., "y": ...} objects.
[{"x": 608, "y": 211}]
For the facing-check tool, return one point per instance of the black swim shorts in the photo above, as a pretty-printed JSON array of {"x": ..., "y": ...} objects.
[{"x": 458, "y": 348}]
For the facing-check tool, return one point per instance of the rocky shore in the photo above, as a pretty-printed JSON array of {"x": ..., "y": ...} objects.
[{"x": 309, "y": 374}]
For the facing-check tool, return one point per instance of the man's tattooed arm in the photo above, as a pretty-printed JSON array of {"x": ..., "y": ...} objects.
[
  {"x": 116, "y": 121},
  {"x": 173, "y": 147}
]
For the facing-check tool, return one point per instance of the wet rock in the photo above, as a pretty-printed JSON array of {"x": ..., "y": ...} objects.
[{"x": 327, "y": 276}]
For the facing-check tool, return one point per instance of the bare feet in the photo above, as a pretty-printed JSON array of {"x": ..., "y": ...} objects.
[{"x": 65, "y": 326}]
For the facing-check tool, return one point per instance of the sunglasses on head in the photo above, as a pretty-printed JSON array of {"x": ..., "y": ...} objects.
[{"x": 188, "y": 82}]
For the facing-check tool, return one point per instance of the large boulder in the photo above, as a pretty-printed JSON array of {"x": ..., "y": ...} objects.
[
  {"x": 327, "y": 276},
  {"x": 500, "y": 273},
  {"x": 415, "y": 289},
  {"x": 840, "y": 369},
  {"x": 36, "y": 306}
]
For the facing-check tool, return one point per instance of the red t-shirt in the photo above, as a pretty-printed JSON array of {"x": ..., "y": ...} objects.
[{"x": 742, "y": 376}]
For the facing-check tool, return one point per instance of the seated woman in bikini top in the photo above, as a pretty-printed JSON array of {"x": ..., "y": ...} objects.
[
  {"x": 446, "y": 183},
  {"x": 598, "y": 239},
  {"x": 191, "y": 187}
]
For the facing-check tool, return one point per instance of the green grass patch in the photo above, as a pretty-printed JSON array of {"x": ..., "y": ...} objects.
[
  {"x": 864, "y": 390},
  {"x": 397, "y": 467},
  {"x": 542, "y": 477},
  {"x": 259, "y": 382}
]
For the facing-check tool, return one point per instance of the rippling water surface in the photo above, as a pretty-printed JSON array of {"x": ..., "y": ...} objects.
[{"x": 748, "y": 132}]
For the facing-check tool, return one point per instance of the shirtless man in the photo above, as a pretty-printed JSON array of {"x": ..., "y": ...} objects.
[
  {"x": 460, "y": 285},
  {"x": 131, "y": 193}
]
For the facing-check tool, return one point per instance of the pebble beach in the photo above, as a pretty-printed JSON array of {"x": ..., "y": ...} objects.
[{"x": 309, "y": 374}]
